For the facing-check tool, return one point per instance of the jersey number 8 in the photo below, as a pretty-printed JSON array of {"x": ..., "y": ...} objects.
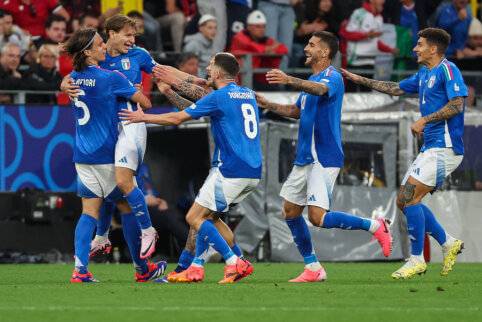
[{"x": 250, "y": 124}]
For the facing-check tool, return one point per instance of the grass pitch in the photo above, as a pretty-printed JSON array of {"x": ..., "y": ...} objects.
[{"x": 353, "y": 292}]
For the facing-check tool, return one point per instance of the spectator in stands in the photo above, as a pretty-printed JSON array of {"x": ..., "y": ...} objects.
[
  {"x": 253, "y": 40},
  {"x": 238, "y": 11},
  {"x": 281, "y": 17},
  {"x": 362, "y": 33},
  {"x": 43, "y": 76},
  {"x": 168, "y": 16},
  {"x": 455, "y": 18},
  {"x": 88, "y": 21},
  {"x": 140, "y": 39},
  {"x": 78, "y": 8},
  {"x": 13, "y": 33},
  {"x": 188, "y": 63},
  {"x": 201, "y": 43},
  {"x": 315, "y": 15},
  {"x": 216, "y": 8},
  {"x": 31, "y": 15},
  {"x": 10, "y": 77},
  {"x": 473, "y": 48},
  {"x": 345, "y": 8},
  {"x": 55, "y": 31}
]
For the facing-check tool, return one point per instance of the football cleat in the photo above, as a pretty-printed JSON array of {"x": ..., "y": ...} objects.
[
  {"x": 234, "y": 273},
  {"x": 249, "y": 270},
  {"x": 450, "y": 253},
  {"x": 384, "y": 237},
  {"x": 100, "y": 247},
  {"x": 190, "y": 275},
  {"x": 148, "y": 243},
  {"x": 310, "y": 276},
  {"x": 82, "y": 278},
  {"x": 164, "y": 279},
  {"x": 155, "y": 271},
  {"x": 410, "y": 268}
]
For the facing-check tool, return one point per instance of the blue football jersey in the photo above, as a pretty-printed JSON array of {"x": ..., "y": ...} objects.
[
  {"x": 235, "y": 128},
  {"x": 319, "y": 137},
  {"x": 130, "y": 64},
  {"x": 95, "y": 112},
  {"x": 435, "y": 88}
]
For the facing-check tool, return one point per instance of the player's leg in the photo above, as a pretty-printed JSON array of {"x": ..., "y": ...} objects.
[
  {"x": 83, "y": 234},
  {"x": 132, "y": 235},
  {"x": 101, "y": 243}
]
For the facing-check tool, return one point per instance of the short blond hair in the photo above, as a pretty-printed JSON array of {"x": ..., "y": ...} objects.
[{"x": 49, "y": 47}]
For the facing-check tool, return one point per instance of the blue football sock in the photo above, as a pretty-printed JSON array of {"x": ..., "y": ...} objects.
[
  {"x": 302, "y": 236},
  {"x": 137, "y": 201},
  {"x": 432, "y": 226},
  {"x": 236, "y": 250},
  {"x": 202, "y": 247},
  {"x": 132, "y": 235},
  {"x": 208, "y": 232},
  {"x": 416, "y": 227},
  {"x": 185, "y": 261},
  {"x": 335, "y": 219},
  {"x": 83, "y": 235},
  {"x": 105, "y": 217}
]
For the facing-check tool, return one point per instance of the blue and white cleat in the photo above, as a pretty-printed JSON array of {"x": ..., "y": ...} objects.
[
  {"x": 161, "y": 280},
  {"x": 82, "y": 278},
  {"x": 155, "y": 271}
]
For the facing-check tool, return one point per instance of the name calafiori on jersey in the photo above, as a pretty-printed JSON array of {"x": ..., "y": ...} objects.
[
  {"x": 85, "y": 82},
  {"x": 240, "y": 95}
]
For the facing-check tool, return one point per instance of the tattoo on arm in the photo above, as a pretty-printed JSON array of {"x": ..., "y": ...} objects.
[
  {"x": 408, "y": 193},
  {"x": 192, "y": 91},
  {"x": 178, "y": 101},
  {"x": 190, "y": 79},
  {"x": 314, "y": 88},
  {"x": 453, "y": 107},
  {"x": 191, "y": 241},
  {"x": 390, "y": 88}
]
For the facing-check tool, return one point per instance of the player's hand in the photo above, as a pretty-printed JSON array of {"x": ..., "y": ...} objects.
[
  {"x": 199, "y": 81},
  {"x": 261, "y": 101},
  {"x": 165, "y": 74},
  {"x": 69, "y": 89},
  {"x": 276, "y": 76},
  {"x": 163, "y": 87},
  {"x": 132, "y": 116},
  {"x": 139, "y": 87},
  {"x": 353, "y": 77},
  {"x": 417, "y": 127}
]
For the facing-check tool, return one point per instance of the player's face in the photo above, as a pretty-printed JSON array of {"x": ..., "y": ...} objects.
[
  {"x": 124, "y": 39},
  {"x": 56, "y": 32},
  {"x": 212, "y": 71},
  {"x": 424, "y": 51},
  {"x": 97, "y": 52},
  {"x": 313, "y": 51}
]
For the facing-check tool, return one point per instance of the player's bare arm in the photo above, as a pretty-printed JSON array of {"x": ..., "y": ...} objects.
[
  {"x": 138, "y": 116},
  {"x": 289, "y": 110},
  {"x": 142, "y": 100},
  {"x": 453, "y": 107},
  {"x": 276, "y": 76},
  {"x": 179, "y": 102},
  {"x": 168, "y": 76},
  {"x": 69, "y": 89},
  {"x": 390, "y": 88},
  {"x": 188, "y": 77}
]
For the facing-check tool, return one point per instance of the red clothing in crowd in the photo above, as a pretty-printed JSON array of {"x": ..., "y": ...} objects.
[
  {"x": 31, "y": 17},
  {"x": 243, "y": 44}
]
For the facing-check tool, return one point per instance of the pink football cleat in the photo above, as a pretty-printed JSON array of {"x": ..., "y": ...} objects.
[
  {"x": 310, "y": 276},
  {"x": 100, "y": 247},
  {"x": 384, "y": 237},
  {"x": 148, "y": 243}
]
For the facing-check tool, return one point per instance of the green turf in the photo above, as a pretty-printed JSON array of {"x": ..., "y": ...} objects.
[{"x": 353, "y": 292}]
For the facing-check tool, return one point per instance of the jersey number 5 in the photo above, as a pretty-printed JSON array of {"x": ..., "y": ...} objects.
[
  {"x": 250, "y": 124},
  {"x": 84, "y": 107}
]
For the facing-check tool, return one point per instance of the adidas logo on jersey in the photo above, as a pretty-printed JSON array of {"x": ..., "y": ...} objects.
[
  {"x": 312, "y": 198},
  {"x": 123, "y": 160}
]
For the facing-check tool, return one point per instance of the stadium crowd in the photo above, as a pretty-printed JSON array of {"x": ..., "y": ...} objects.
[{"x": 30, "y": 31}]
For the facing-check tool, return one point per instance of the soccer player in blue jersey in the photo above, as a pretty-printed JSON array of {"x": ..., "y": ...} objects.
[
  {"x": 236, "y": 164},
  {"x": 319, "y": 155},
  {"x": 442, "y": 95},
  {"x": 95, "y": 110}
]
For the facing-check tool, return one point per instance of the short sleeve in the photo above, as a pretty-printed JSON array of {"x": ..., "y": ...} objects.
[
  {"x": 206, "y": 106},
  {"x": 333, "y": 83},
  {"x": 410, "y": 85},
  {"x": 298, "y": 101},
  {"x": 454, "y": 83},
  {"x": 122, "y": 86},
  {"x": 147, "y": 62}
]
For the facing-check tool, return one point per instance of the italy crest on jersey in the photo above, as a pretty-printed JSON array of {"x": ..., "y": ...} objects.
[
  {"x": 431, "y": 81},
  {"x": 126, "y": 64}
]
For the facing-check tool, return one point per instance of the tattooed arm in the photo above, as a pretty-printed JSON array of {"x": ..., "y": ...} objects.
[
  {"x": 390, "y": 88},
  {"x": 276, "y": 76},
  {"x": 192, "y": 91},
  {"x": 453, "y": 107},
  {"x": 179, "y": 102},
  {"x": 285, "y": 110}
]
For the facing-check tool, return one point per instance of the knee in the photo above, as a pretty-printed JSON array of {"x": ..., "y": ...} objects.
[
  {"x": 289, "y": 213},
  {"x": 317, "y": 217},
  {"x": 126, "y": 185}
]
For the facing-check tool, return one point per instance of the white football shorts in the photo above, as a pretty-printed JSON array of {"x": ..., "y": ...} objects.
[
  {"x": 131, "y": 145},
  {"x": 97, "y": 181},
  {"x": 432, "y": 166},
  {"x": 219, "y": 193},
  {"x": 310, "y": 184}
]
